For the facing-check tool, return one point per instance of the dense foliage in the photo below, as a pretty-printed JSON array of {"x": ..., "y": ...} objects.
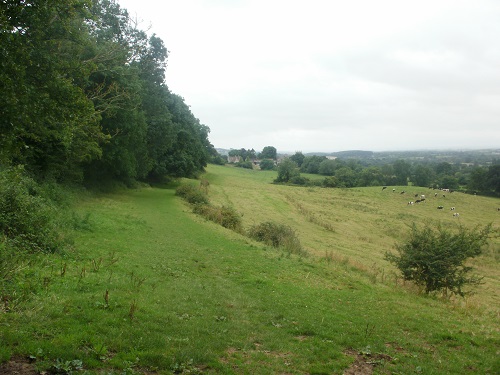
[
  {"x": 419, "y": 171},
  {"x": 436, "y": 259},
  {"x": 83, "y": 96}
]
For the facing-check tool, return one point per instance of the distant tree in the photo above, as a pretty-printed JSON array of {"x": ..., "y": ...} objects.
[
  {"x": 422, "y": 175},
  {"x": 327, "y": 167},
  {"x": 401, "y": 171},
  {"x": 435, "y": 259},
  {"x": 345, "y": 177},
  {"x": 444, "y": 168},
  {"x": 371, "y": 176},
  {"x": 287, "y": 169},
  {"x": 493, "y": 178},
  {"x": 268, "y": 152},
  {"x": 478, "y": 180},
  {"x": 298, "y": 158},
  {"x": 448, "y": 182},
  {"x": 267, "y": 165},
  {"x": 311, "y": 164}
]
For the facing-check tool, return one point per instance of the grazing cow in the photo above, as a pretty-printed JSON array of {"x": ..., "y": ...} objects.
[
  {"x": 422, "y": 196},
  {"x": 416, "y": 195},
  {"x": 435, "y": 194},
  {"x": 440, "y": 207},
  {"x": 402, "y": 192},
  {"x": 456, "y": 214},
  {"x": 393, "y": 190},
  {"x": 452, "y": 209},
  {"x": 384, "y": 187},
  {"x": 410, "y": 203},
  {"x": 444, "y": 196},
  {"x": 446, "y": 190},
  {"x": 418, "y": 201}
]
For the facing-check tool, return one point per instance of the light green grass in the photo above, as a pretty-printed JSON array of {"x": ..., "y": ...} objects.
[{"x": 187, "y": 296}]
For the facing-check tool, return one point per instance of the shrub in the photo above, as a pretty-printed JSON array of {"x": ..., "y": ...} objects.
[
  {"x": 244, "y": 164},
  {"x": 225, "y": 216},
  {"x": 299, "y": 180},
  {"x": 435, "y": 258},
  {"x": 28, "y": 219},
  {"x": 191, "y": 194},
  {"x": 277, "y": 235}
]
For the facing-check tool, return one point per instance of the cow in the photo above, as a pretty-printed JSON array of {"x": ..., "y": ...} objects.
[
  {"x": 440, "y": 207},
  {"x": 384, "y": 187},
  {"x": 456, "y": 214},
  {"x": 418, "y": 201},
  {"x": 422, "y": 196},
  {"x": 452, "y": 209},
  {"x": 402, "y": 192},
  {"x": 416, "y": 195},
  {"x": 435, "y": 194}
]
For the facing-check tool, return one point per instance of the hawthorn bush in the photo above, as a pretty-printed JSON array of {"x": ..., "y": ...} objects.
[{"x": 435, "y": 259}]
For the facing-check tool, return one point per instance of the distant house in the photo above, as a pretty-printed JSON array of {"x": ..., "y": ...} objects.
[
  {"x": 233, "y": 159},
  {"x": 329, "y": 157}
]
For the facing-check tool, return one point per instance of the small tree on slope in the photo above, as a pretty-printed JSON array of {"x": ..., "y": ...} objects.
[{"x": 435, "y": 259}]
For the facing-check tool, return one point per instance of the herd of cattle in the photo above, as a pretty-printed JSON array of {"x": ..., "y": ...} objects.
[{"x": 421, "y": 199}]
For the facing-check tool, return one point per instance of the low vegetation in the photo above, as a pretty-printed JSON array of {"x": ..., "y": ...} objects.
[
  {"x": 149, "y": 287},
  {"x": 436, "y": 259}
]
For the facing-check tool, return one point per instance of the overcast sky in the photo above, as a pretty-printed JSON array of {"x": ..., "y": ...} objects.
[{"x": 328, "y": 75}]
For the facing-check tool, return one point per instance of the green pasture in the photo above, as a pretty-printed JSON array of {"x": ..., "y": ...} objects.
[{"x": 149, "y": 287}]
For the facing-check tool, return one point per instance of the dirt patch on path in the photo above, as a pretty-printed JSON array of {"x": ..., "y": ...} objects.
[
  {"x": 17, "y": 366},
  {"x": 364, "y": 364}
]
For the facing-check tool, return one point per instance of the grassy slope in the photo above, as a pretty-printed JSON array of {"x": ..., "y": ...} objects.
[
  {"x": 360, "y": 223},
  {"x": 185, "y": 294}
]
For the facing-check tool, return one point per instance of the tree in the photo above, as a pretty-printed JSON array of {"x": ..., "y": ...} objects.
[
  {"x": 269, "y": 152},
  {"x": 287, "y": 170},
  {"x": 401, "y": 171},
  {"x": 422, "y": 175},
  {"x": 298, "y": 158},
  {"x": 435, "y": 259},
  {"x": 267, "y": 165}
]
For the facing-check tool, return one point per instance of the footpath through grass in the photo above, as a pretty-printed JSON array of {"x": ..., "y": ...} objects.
[{"x": 152, "y": 288}]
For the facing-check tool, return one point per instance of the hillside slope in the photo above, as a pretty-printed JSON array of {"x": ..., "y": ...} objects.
[{"x": 152, "y": 288}]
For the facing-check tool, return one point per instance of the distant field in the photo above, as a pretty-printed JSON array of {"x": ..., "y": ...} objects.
[{"x": 360, "y": 223}]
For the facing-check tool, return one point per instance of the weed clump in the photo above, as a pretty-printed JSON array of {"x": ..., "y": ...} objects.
[
  {"x": 278, "y": 236},
  {"x": 191, "y": 194},
  {"x": 28, "y": 213},
  {"x": 225, "y": 216}
]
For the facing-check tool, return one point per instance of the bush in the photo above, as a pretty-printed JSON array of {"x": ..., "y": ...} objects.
[
  {"x": 191, "y": 194},
  {"x": 299, "y": 180},
  {"x": 244, "y": 164},
  {"x": 435, "y": 258},
  {"x": 28, "y": 219},
  {"x": 277, "y": 235},
  {"x": 225, "y": 216}
]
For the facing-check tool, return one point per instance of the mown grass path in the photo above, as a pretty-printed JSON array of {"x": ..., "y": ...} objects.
[{"x": 153, "y": 288}]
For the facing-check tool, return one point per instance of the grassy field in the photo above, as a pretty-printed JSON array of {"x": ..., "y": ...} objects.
[{"x": 149, "y": 287}]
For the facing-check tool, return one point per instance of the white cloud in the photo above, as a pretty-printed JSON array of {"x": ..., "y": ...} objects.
[{"x": 335, "y": 75}]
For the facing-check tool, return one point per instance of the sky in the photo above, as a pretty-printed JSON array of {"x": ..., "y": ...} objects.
[{"x": 334, "y": 75}]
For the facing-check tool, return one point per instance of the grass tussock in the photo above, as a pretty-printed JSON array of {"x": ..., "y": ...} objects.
[{"x": 278, "y": 236}]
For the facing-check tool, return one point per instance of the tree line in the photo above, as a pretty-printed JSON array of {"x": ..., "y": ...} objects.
[
  {"x": 348, "y": 171},
  {"x": 84, "y": 98}
]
